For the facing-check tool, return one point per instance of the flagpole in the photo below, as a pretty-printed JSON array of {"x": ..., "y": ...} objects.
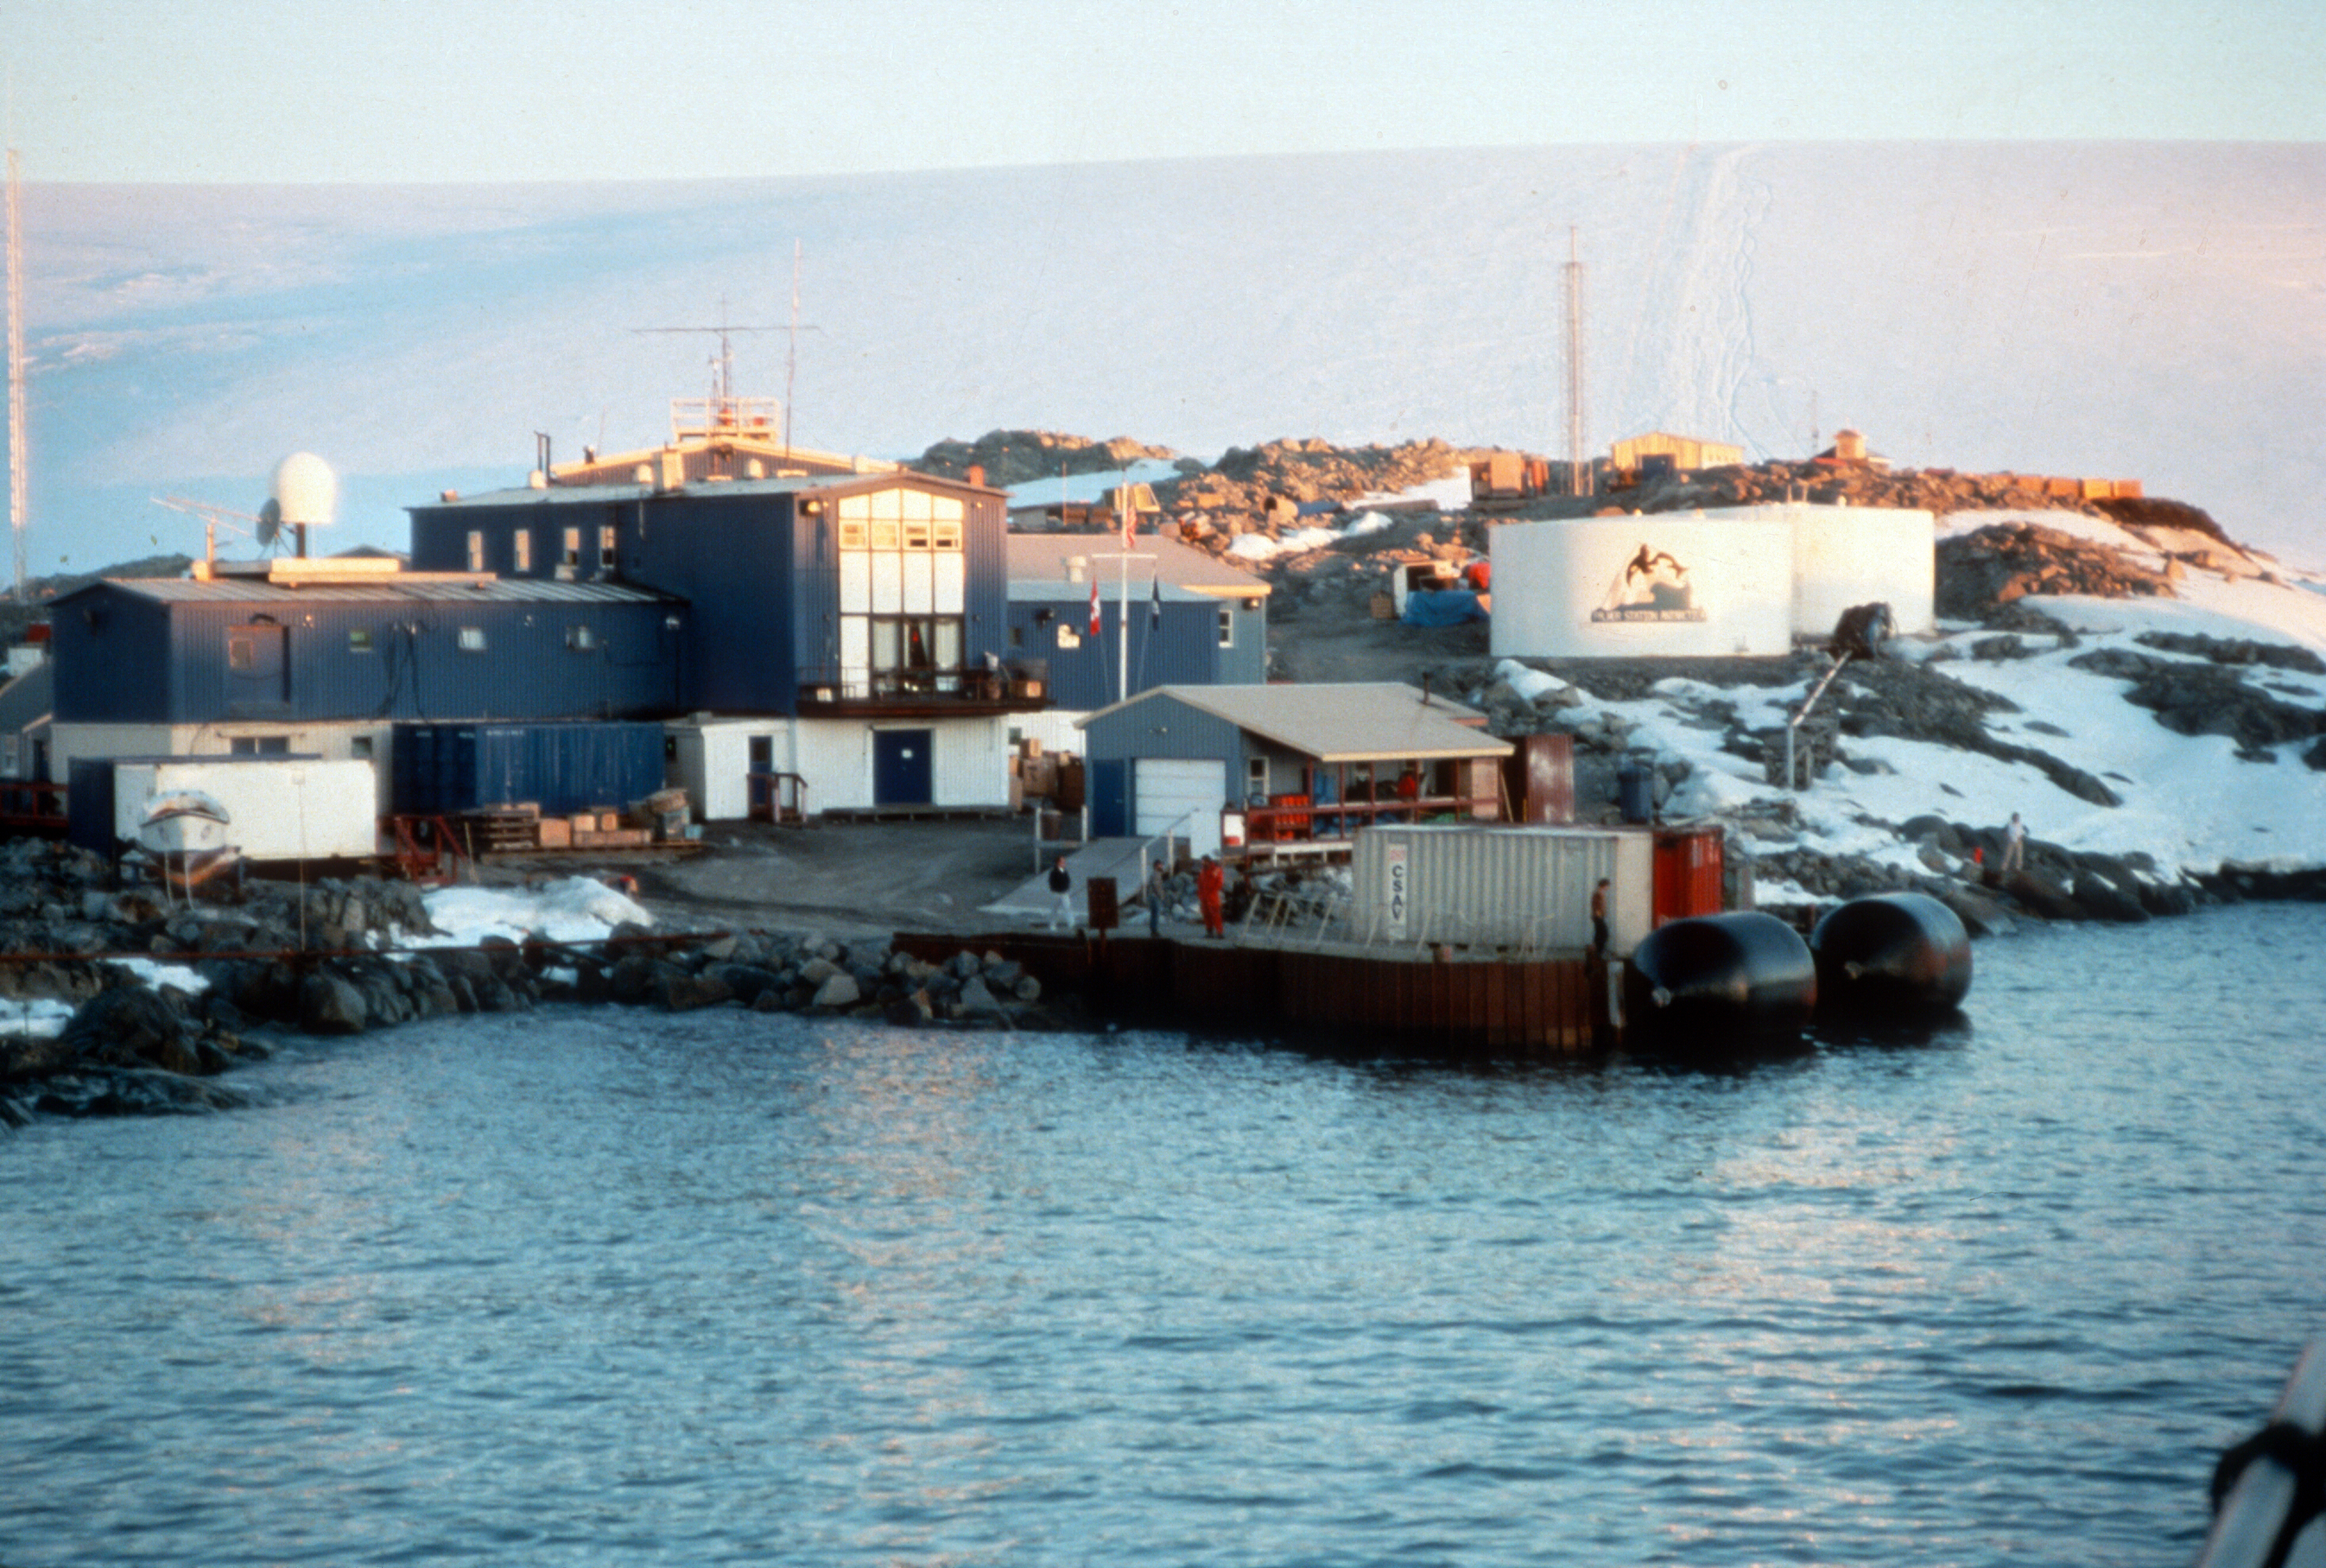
[
  {"x": 1122, "y": 599},
  {"x": 1122, "y": 631}
]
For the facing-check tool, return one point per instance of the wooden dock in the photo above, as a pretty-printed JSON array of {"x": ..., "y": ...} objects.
[{"x": 1387, "y": 998}]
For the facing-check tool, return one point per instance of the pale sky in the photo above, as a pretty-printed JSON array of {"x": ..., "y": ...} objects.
[{"x": 261, "y": 91}]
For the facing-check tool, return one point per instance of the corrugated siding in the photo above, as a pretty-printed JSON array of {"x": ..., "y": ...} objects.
[
  {"x": 112, "y": 654},
  {"x": 1246, "y": 664},
  {"x": 1184, "y": 651},
  {"x": 1160, "y": 727},
  {"x": 1503, "y": 887},
  {"x": 415, "y": 668},
  {"x": 986, "y": 589},
  {"x": 731, "y": 558},
  {"x": 560, "y": 767},
  {"x": 1164, "y": 727},
  {"x": 765, "y": 592}
]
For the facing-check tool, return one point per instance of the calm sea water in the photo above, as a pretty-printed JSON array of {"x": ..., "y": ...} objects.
[{"x": 613, "y": 1287}]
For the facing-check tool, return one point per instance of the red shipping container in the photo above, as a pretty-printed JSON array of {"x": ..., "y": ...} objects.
[{"x": 1688, "y": 873}]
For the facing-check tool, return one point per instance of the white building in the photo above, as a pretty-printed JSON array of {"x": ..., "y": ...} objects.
[{"x": 1742, "y": 580}]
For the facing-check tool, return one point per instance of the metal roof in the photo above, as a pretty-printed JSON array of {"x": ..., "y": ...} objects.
[
  {"x": 1053, "y": 590},
  {"x": 387, "y": 591},
  {"x": 1339, "y": 721},
  {"x": 594, "y": 495},
  {"x": 1037, "y": 556}
]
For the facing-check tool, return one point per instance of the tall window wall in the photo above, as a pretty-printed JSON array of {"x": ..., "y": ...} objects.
[{"x": 903, "y": 579}]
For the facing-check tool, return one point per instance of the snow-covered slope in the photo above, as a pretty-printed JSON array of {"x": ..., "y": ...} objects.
[
  {"x": 2153, "y": 312},
  {"x": 2189, "y": 801}
]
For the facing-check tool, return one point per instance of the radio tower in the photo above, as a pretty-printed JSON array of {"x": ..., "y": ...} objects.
[
  {"x": 17, "y": 502},
  {"x": 1578, "y": 474}
]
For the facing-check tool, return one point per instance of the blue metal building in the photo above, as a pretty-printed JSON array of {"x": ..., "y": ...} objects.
[
  {"x": 164, "y": 651},
  {"x": 1327, "y": 756},
  {"x": 1180, "y": 637},
  {"x": 844, "y": 595}
]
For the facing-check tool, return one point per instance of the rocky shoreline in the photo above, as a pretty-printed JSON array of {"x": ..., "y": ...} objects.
[
  {"x": 135, "y": 1045},
  {"x": 337, "y": 959}
]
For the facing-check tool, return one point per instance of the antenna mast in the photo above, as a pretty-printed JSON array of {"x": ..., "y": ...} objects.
[
  {"x": 791, "y": 354},
  {"x": 1578, "y": 476},
  {"x": 722, "y": 413},
  {"x": 18, "y": 507}
]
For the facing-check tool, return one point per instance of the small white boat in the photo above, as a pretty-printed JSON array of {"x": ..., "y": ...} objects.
[{"x": 183, "y": 822}]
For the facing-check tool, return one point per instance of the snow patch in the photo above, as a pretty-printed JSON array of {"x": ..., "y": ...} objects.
[
  {"x": 1260, "y": 547},
  {"x": 576, "y": 909}
]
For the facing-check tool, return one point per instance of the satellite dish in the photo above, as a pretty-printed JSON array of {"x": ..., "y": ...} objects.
[
  {"x": 270, "y": 524},
  {"x": 306, "y": 495}
]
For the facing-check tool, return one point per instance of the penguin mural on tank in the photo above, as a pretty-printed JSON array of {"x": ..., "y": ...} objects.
[{"x": 1654, "y": 586}]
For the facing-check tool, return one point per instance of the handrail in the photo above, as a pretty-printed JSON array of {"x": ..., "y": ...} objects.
[
  {"x": 1146, "y": 846},
  {"x": 1794, "y": 723}
]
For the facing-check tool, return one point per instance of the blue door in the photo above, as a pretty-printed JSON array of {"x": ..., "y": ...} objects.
[{"x": 901, "y": 767}]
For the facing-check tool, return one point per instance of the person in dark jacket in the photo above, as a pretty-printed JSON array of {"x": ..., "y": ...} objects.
[
  {"x": 1599, "y": 918},
  {"x": 1158, "y": 894},
  {"x": 1062, "y": 883}
]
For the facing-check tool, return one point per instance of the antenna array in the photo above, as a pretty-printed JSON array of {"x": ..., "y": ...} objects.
[{"x": 18, "y": 506}]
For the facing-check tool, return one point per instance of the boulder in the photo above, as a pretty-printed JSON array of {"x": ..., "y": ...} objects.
[
  {"x": 977, "y": 1002},
  {"x": 330, "y": 1005},
  {"x": 633, "y": 978},
  {"x": 2103, "y": 899},
  {"x": 495, "y": 995},
  {"x": 1980, "y": 915},
  {"x": 745, "y": 980},
  {"x": 839, "y": 989},
  {"x": 683, "y": 993}
]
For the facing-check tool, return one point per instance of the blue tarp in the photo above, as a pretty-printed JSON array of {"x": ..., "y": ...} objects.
[{"x": 1444, "y": 607}]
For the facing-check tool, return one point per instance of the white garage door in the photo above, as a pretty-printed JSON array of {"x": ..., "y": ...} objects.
[{"x": 1168, "y": 788}]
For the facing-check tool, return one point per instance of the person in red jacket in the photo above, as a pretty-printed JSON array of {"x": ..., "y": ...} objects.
[{"x": 1210, "y": 883}]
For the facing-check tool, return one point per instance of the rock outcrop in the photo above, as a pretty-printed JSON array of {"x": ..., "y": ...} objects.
[{"x": 1013, "y": 457}]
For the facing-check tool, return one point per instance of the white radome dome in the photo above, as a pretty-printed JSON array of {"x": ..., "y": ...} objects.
[{"x": 306, "y": 489}]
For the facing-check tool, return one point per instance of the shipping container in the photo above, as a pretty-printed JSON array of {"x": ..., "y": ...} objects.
[
  {"x": 1517, "y": 888},
  {"x": 1689, "y": 868},
  {"x": 278, "y": 808},
  {"x": 560, "y": 767}
]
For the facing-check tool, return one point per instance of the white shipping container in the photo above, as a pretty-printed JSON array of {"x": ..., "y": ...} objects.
[
  {"x": 290, "y": 809},
  {"x": 1501, "y": 887}
]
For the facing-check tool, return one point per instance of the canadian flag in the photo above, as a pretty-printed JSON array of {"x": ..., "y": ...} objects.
[{"x": 1093, "y": 631}]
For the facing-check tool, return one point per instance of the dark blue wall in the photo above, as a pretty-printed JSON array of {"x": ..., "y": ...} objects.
[
  {"x": 1185, "y": 651},
  {"x": 112, "y": 658},
  {"x": 123, "y": 657},
  {"x": 761, "y": 571},
  {"x": 560, "y": 767}
]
